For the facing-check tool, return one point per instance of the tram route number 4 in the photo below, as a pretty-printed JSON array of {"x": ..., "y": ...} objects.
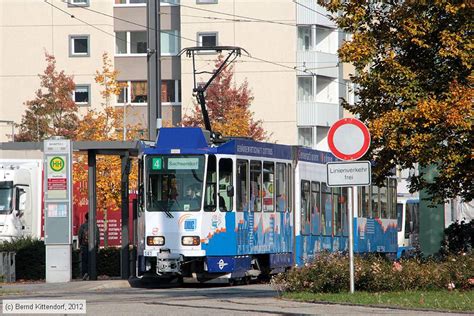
[{"x": 348, "y": 139}]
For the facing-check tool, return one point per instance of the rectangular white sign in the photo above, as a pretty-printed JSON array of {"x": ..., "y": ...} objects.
[
  {"x": 347, "y": 174},
  {"x": 44, "y": 307}
]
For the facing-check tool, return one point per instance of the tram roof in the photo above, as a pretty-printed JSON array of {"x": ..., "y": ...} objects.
[{"x": 192, "y": 140}]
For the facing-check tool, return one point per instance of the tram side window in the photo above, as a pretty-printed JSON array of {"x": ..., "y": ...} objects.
[
  {"x": 305, "y": 208},
  {"x": 412, "y": 224},
  {"x": 343, "y": 205},
  {"x": 399, "y": 216},
  {"x": 364, "y": 202},
  {"x": 315, "y": 208},
  {"x": 289, "y": 191},
  {"x": 255, "y": 186},
  {"x": 326, "y": 210},
  {"x": 392, "y": 190},
  {"x": 268, "y": 192},
  {"x": 375, "y": 202},
  {"x": 337, "y": 211},
  {"x": 226, "y": 187},
  {"x": 210, "y": 198},
  {"x": 242, "y": 185},
  {"x": 281, "y": 187},
  {"x": 384, "y": 213}
]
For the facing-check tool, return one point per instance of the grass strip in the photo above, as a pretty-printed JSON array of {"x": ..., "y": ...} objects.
[{"x": 435, "y": 300}]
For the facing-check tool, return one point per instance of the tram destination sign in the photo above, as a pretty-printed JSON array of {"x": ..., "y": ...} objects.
[{"x": 348, "y": 174}]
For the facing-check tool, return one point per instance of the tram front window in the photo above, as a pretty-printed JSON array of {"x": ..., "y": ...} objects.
[{"x": 174, "y": 183}]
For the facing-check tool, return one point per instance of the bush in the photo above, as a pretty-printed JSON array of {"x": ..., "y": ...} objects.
[
  {"x": 108, "y": 262},
  {"x": 30, "y": 257},
  {"x": 458, "y": 238},
  {"x": 373, "y": 273}
]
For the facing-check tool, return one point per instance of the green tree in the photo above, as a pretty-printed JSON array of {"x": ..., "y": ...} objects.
[
  {"x": 228, "y": 107},
  {"x": 53, "y": 111},
  {"x": 413, "y": 63}
]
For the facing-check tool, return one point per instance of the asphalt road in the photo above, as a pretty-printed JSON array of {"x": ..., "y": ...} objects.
[{"x": 118, "y": 298}]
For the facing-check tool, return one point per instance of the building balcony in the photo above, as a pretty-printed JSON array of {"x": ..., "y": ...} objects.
[
  {"x": 313, "y": 113},
  {"x": 318, "y": 63}
]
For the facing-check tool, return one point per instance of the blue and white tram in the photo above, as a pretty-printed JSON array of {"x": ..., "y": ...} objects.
[{"x": 242, "y": 208}]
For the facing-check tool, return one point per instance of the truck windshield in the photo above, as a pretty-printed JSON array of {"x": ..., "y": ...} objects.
[
  {"x": 174, "y": 183},
  {"x": 6, "y": 197}
]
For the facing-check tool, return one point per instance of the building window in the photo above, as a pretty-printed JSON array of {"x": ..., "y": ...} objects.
[
  {"x": 143, "y": 2},
  {"x": 326, "y": 90},
  {"x": 127, "y": 43},
  {"x": 81, "y": 95},
  {"x": 206, "y": 1},
  {"x": 305, "y": 136},
  {"x": 136, "y": 92},
  {"x": 170, "y": 42},
  {"x": 79, "y": 45},
  {"x": 326, "y": 40},
  {"x": 77, "y": 3},
  {"x": 305, "y": 89},
  {"x": 305, "y": 42},
  {"x": 208, "y": 39},
  {"x": 130, "y": 2},
  {"x": 135, "y": 42}
]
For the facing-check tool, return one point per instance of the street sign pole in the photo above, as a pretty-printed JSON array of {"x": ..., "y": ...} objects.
[
  {"x": 349, "y": 139},
  {"x": 350, "y": 210}
]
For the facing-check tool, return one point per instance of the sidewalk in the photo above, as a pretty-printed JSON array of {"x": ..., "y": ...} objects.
[{"x": 26, "y": 289}]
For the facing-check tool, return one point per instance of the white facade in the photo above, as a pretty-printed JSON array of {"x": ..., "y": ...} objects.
[
  {"x": 273, "y": 86},
  {"x": 28, "y": 30}
]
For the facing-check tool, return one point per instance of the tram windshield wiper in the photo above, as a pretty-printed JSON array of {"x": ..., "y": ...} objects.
[{"x": 168, "y": 213}]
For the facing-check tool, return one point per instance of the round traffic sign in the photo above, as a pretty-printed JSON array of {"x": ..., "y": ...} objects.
[{"x": 348, "y": 139}]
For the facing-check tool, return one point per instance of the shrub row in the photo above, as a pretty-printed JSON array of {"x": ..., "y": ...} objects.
[
  {"x": 329, "y": 272},
  {"x": 30, "y": 259}
]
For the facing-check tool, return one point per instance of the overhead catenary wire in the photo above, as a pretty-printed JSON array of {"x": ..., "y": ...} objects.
[{"x": 294, "y": 68}]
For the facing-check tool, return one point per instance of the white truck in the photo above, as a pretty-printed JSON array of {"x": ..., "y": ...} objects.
[{"x": 20, "y": 198}]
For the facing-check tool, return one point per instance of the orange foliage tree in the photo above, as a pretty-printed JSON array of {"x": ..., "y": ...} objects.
[
  {"x": 228, "y": 107},
  {"x": 52, "y": 112},
  {"x": 413, "y": 63}
]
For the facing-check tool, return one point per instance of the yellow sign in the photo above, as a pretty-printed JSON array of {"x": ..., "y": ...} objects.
[{"x": 57, "y": 164}]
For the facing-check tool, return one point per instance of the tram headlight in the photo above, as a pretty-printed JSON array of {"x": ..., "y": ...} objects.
[
  {"x": 190, "y": 240},
  {"x": 155, "y": 240}
]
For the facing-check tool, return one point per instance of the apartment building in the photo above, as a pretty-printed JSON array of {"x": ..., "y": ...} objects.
[
  {"x": 292, "y": 67},
  {"x": 77, "y": 33},
  {"x": 293, "y": 70},
  {"x": 31, "y": 28}
]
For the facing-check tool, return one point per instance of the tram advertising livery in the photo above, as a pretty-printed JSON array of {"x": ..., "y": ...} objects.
[{"x": 240, "y": 209}]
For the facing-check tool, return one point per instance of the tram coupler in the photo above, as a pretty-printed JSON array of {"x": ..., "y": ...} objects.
[{"x": 168, "y": 263}]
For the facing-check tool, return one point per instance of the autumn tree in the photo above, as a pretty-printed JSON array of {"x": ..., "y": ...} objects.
[
  {"x": 413, "y": 63},
  {"x": 228, "y": 107},
  {"x": 52, "y": 112}
]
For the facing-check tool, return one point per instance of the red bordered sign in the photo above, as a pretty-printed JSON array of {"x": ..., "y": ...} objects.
[{"x": 349, "y": 139}]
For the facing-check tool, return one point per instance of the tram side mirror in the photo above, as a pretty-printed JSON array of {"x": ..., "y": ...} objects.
[{"x": 230, "y": 190}]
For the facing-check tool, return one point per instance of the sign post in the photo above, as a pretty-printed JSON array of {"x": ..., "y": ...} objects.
[
  {"x": 58, "y": 209},
  {"x": 349, "y": 139}
]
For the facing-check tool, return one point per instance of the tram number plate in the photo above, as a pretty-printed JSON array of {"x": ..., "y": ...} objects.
[{"x": 148, "y": 253}]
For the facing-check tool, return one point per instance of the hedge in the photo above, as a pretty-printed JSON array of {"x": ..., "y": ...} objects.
[{"x": 329, "y": 272}]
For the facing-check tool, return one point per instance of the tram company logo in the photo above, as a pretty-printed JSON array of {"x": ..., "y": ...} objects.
[{"x": 221, "y": 263}]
